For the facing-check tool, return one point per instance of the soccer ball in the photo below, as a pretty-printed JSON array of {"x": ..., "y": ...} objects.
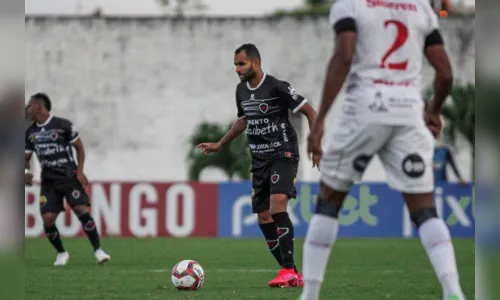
[{"x": 188, "y": 275}]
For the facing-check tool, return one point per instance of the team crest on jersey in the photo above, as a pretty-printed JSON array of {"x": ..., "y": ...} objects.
[
  {"x": 263, "y": 107},
  {"x": 75, "y": 194},
  {"x": 252, "y": 97},
  {"x": 275, "y": 178},
  {"x": 53, "y": 136}
]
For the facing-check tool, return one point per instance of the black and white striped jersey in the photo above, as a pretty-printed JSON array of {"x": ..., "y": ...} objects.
[
  {"x": 51, "y": 142},
  {"x": 269, "y": 131}
]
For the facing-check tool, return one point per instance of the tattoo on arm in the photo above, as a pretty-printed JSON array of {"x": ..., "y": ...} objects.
[{"x": 238, "y": 127}]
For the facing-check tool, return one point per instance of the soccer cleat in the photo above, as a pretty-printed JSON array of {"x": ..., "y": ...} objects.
[
  {"x": 285, "y": 278},
  {"x": 101, "y": 256},
  {"x": 299, "y": 282},
  {"x": 61, "y": 259}
]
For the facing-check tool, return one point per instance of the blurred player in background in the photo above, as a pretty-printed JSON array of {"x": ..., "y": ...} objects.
[
  {"x": 378, "y": 48},
  {"x": 52, "y": 138},
  {"x": 263, "y": 103},
  {"x": 443, "y": 157}
]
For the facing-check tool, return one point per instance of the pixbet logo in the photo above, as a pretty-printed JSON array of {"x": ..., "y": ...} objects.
[
  {"x": 457, "y": 215},
  {"x": 243, "y": 216},
  {"x": 300, "y": 210}
]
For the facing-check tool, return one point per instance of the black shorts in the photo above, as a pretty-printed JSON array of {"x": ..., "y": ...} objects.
[
  {"x": 277, "y": 177},
  {"x": 52, "y": 193}
]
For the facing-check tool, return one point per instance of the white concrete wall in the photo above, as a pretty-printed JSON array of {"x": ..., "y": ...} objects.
[{"x": 136, "y": 88}]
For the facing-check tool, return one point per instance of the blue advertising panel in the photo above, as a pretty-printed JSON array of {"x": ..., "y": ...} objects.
[{"x": 370, "y": 210}]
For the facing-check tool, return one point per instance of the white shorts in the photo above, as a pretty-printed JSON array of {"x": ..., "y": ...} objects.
[{"x": 406, "y": 153}]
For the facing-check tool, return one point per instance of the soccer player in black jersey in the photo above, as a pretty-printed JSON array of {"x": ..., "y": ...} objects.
[
  {"x": 52, "y": 139},
  {"x": 263, "y": 102}
]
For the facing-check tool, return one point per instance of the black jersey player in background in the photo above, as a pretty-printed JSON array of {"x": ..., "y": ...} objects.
[
  {"x": 263, "y": 103},
  {"x": 52, "y": 139}
]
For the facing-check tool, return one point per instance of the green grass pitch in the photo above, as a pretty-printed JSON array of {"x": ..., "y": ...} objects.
[{"x": 359, "y": 269}]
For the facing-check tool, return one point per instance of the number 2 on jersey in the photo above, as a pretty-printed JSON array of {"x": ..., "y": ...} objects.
[{"x": 401, "y": 37}]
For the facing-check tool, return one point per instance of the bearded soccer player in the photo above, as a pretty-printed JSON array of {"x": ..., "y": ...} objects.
[
  {"x": 52, "y": 139},
  {"x": 379, "y": 48},
  {"x": 263, "y": 103}
]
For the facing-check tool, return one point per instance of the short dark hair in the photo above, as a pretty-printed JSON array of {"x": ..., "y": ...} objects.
[
  {"x": 44, "y": 98},
  {"x": 250, "y": 50}
]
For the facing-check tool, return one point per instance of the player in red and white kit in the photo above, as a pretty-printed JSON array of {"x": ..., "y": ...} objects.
[{"x": 379, "y": 48}]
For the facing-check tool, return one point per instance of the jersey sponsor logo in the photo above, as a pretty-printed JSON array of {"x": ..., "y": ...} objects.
[
  {"x": 283, "y": 127},
  {"x": 392, "y": 5},
  {"x": 270, "y": 128},
  {"x": 402, "y": 102},
  {"x": 258, "y": 121},
  {"x": 377, "y": 104},
  {"x": 413, "y": 165},
  {"x": 275, "y": 178},
  {"x": 293, "y": 93},
  {"x": 268, "y": 146}
]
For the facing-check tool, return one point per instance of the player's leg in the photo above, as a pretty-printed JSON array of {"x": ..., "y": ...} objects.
[
  {"x": 79, "y": 201},
  {"x": 260, "y": 206},
  {"x": 344, "y": 162},
  {"x": 51, "y": 204},
  {"x": 270, "y": 231},
  {"x": 282, "y": 182},
  {"x": 321, "y": 236},
  {"x": 408, "y": 163}
]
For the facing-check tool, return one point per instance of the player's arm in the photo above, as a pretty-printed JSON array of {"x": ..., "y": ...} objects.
[
  {"x": 238, "y": 127},
  {"x": 339, "y": 65},
  {"x": 295, "y": 101},
  {"x": 76, "y": 142},
  {"x": 80, "y": 153},
  {"x": 28, "y": 151},
  {"x": 309, "y": 112},
  {"x": 438, "y": 58}
]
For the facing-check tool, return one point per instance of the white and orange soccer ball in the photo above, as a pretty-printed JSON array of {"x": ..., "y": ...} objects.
[{"x": 188, "y": 275}]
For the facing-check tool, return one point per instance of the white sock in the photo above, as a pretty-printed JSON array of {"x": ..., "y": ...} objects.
[
  {"x": 321, "y": 236},
  {"x": 436, "y": 239}
]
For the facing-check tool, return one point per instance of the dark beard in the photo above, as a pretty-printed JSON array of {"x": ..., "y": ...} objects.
[{"x": 249, "y": 75}]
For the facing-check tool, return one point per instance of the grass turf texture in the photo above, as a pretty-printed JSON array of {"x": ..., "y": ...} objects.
[{"x": 361, "y": 269}]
